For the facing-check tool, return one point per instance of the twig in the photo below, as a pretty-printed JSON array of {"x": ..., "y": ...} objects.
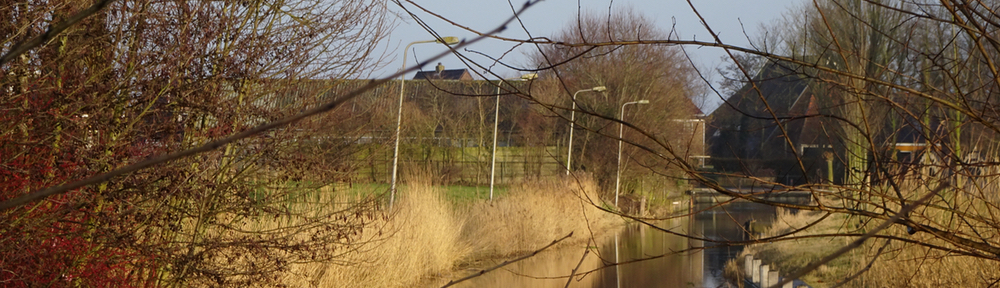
[
  {"x": 505, "y": 263},
  {"x": 52, "y": 31},
  {"x": 867, "y": 267},
  {"x": 570, "y": 279}
]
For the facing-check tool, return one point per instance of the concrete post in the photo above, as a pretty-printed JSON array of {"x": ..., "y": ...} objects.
[
  {"x": 763, "y": 275},
  {"x": 748, "y": 265},
  {"x": 790, "y": 284},
  {"x": 772, "y": 278},
  {"x": 642, "y": 206},
  {"x": 755, "y": 275}
]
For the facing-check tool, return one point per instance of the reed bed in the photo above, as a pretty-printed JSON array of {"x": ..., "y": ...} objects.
[{"x": 425, "y": 237}]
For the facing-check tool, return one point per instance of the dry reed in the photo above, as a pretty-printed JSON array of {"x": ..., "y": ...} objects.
[
  {"x": 534, "y": 214},
  {"x": 896, "y": 264},
  {"x": 426, "y": 237},
  {"x": 789, "y": 255}
]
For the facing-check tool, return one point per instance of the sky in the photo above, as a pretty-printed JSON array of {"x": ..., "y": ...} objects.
[{"x": 549, "y": 16}]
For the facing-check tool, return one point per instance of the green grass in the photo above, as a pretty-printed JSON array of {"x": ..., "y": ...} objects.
[
  {"x": 438, "y": 153},
  {"x": 365, "y": 189},
  {"x": 455, "y": 194},
  {"x": 469, "y": 165},
  {"x": 467, "y": 194},
  {"x": 793, "y": 254}
]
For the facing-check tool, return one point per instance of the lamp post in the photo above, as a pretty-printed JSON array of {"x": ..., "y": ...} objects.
[
  {"x": 496, "y": 124},
  {"x": 621, "y": 128},
  {"x": 399, "y": 113},
  {"x": 572, "y": 120}
]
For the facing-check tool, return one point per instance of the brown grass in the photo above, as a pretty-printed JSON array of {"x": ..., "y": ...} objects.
[
  {"x": 904, "y": 265},
  {"x": 533, "y": 215},
  {"x": 898, "y": 264},
  {"x": 910, "y": 265},
  {"x": 788, "y": 256},
  {"x": 426, "y": 237}
]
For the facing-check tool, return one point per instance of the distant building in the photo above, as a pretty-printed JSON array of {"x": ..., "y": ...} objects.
[
  {"x": 690, "y": 140},
  {"x": 745, "y": 135},
  {"x": 444, "y": 74},
  {"x": 745, "y": 127},
  {"x": 767, "y": 127}
]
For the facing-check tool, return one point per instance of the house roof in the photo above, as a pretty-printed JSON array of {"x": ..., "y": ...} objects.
[
  {"x": 691, "y": 108},
  {"x": 746, "y": 117},
  {"x": 781, "y": 87},
  {"x": 449, "y": 74}
]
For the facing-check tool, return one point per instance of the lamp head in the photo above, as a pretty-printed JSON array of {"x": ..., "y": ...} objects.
[
  {"x": 599, "y": 89},
  {"x": 529, "y": 76},
  {"x": 450, "y": 40},
  {"x": 643, "y": 101}
]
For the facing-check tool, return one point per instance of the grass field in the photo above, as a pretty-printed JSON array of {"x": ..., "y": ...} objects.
[
  {"x": 455, "y": 194},
  {"x": 470, "y": 165}
]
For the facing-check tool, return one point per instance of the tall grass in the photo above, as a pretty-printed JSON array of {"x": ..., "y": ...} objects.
[
  {"x": 905, "y": 265},
  {"x": 788, "y": 256},
  {"x": 420, "y": 237},
  {"x": 426, "y": 236},
  {"x": 532, "y": 215},
  {"x": 892, "y": 263}
]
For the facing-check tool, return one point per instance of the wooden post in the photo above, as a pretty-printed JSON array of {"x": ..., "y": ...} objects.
[
  {"x": 755, "y": 275},
  {"x": 763, "y": 275},
  {"x": 748, "y": 265}
]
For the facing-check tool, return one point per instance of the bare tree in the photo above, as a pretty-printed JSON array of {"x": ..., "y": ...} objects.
[
  {"x": 140, "y": 78},
  {"x": 654, "y": 72}
]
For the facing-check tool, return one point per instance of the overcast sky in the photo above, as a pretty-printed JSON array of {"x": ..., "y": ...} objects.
[{"x": 547, "y": 17}]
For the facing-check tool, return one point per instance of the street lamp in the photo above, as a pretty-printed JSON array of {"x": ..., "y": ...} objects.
[
  {"x": 621, "y": 128},
  {"x": 572, "y": 120},
  {"x": 496, "y": 123},
  {"x": 399, "y": 113}
]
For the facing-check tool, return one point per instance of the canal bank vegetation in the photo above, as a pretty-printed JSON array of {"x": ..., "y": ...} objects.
[
  {"x": 427, "y": 237},
  {"x": 787, "y": 255},
  {"x": 896, "y": 257}
]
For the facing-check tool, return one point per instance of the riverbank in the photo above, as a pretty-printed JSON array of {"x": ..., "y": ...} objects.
[
  {"x": 427, "y": 237},
  {"x": 788, "y": 256},
  {"x": 880, "y": 262}
]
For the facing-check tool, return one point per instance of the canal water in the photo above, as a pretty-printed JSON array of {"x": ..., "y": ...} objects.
[{"x": 672, "y": 261}]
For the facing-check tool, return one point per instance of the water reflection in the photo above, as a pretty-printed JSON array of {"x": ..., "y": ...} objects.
[{"x": 675, "y": 264}]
